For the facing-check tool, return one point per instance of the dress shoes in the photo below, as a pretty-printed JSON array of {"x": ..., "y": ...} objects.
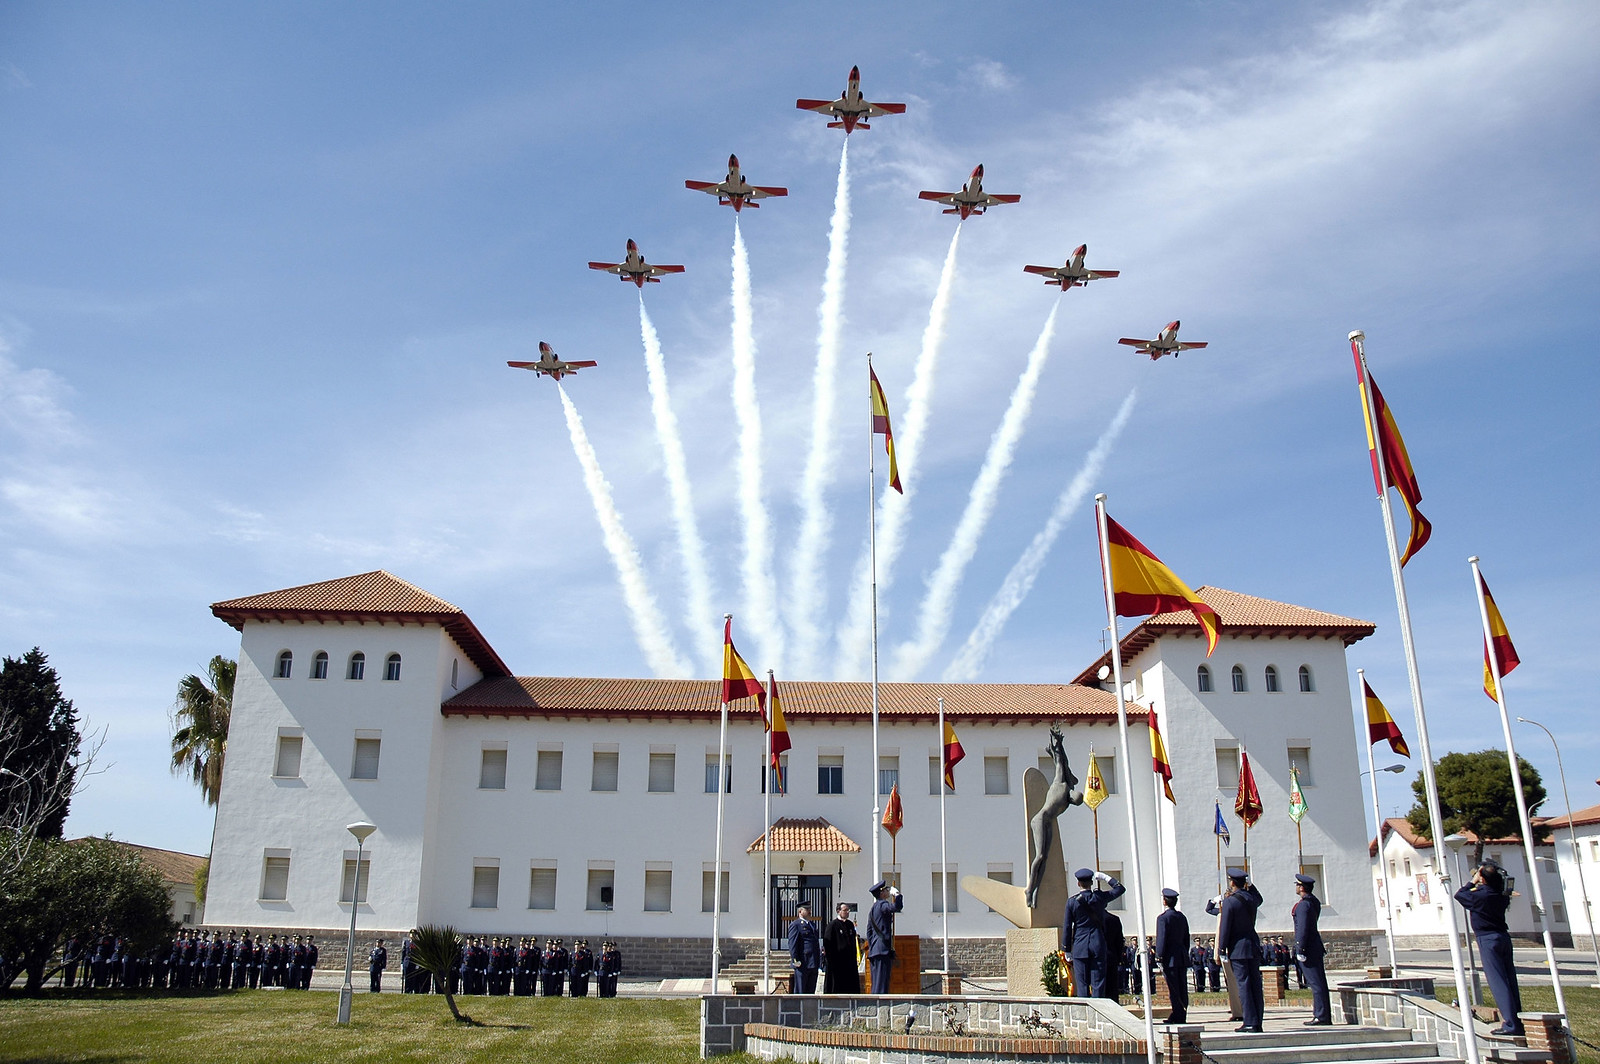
[
  {"x": 1247, "y": 1030},
  {"x": 1318, "y": 1023}
]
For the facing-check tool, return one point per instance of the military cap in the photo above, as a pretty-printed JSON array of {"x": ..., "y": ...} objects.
[
  {"x": 1304, "y": 880},
  {"x": 1238, "y": 873},
  {"x": 879, "y": 887},
  {"x": 1083, "y": 874},
  {"x": 1169, "y": 894}
]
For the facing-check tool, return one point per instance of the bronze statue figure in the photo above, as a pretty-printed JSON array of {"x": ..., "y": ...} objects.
[{"x": 1063, "y": 792}]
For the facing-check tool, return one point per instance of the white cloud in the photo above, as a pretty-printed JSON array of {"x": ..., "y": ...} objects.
[{"x": 990, "y": 74}]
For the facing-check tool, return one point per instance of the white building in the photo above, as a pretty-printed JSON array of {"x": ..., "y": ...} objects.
[
  {"x": 586, "y": 806},
  {"x": 1577, "y": 846}
]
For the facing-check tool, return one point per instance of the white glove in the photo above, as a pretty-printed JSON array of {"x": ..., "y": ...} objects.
[
  {"x": 1102, "y": 877},
  {"x": 1217, "y": 900},
  {"x": 895, "y": 891}
]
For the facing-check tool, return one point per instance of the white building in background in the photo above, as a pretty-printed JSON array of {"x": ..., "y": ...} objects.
[
  {"x": 1577, "y": 846},
  {"x": 586, "y": 806},
  {"x": 177, "y": 872},
  {"x": 1423, "y": 907}
]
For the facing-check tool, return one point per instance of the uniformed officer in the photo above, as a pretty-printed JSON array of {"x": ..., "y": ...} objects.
[
  {"x": 805, "y": 952},
  {"x": 610, "y": 969},
  {"x": 582, "y": 966},
  {"x": 887, "y": 901},
  {"x": 71, "y": 957},
  {"x": 311, "y": 962},
  {"x": 1236, "y": 932},
  {"x": 1172, "y": 950},
  {"x": 462, "y": 973},
  {"x": 377, "y": 961},
  {"x": 1486, "y": 902},
  {"x": 1309, "y": 952},
  {"x": 1119, "y": 956},
  {"x": 1083, "y": 932},
  {"x": 258, "y": 962},
  {"x": 1197, "y": 964},
  {"x": 553, "y": 968}
]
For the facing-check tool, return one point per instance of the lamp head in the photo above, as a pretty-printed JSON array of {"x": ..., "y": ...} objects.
[
  {"x": 1393, "y": 768},
  {"x": 361, "y": 829}
]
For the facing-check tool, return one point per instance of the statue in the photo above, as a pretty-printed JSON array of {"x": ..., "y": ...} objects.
[{"x": 1063, "y": 792}]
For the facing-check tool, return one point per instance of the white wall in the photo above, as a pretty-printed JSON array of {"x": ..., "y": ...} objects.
[
  {"x": 1587, "y": 863},
  {"x": 1422, "y": 905}
]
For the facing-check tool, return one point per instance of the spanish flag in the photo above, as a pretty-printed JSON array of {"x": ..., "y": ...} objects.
[
  {"x": 1094, "y": 787},
  {"x": 780, "y": 735},
  {"x": 1381, "y": 429},
  {"x": 880, "y": 424},
  {"x": 1380, "y": 725},
  {"x": 952, "y": 755},
  {"x": 1158, "y": 757},
  {"x": 1247, "y": 803},
  {"x": 737, "y": 679},
  {"x": 894, "y": 816},
  {"x": 1505, "y": 655},
  {"x": 1141, "y": 585}
]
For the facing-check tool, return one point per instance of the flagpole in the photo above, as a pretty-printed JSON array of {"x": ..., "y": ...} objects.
[
  {"x": 1377, "y": 818},
  {"x": 944, "y": 853},
  {"x": 1155, "y": 777},
  {"x": 1430, "y": 782},
  {"x": 872, "y": 555},
  {"x": 1244, "y": 761},
  {"x": 766, "y": 815},
  {"x": 1516, "y": 778},
  {"x": 716, "y": 868},
  {"x": 1127, "y": 776},
  {"x": 1216, "y": 939}
]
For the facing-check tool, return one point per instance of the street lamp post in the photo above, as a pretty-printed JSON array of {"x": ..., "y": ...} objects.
[
  {"x": 1383, "y": 864},
  {"x": 1572, "y": 831},
  {"x": 361, "y": 829}
]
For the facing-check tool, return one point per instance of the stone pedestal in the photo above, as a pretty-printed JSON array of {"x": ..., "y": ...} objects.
[
  {"x": 1026, "y": 948},
  {"x": 1181, "y": 1043},
  {"x": 1547, "y": 1032}
]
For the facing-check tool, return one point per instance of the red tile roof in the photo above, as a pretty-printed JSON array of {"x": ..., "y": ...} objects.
[
  {"x": 1579, "y": 818},
  {"x": 1403, "y": 828},
  {"x": 377, "y": 596},
  {"x": 792, "y": 835},
  {"x": 1241, "y": 614},
  {"x": 176, "y": 868},
  {"x": 573, "y": 696}
]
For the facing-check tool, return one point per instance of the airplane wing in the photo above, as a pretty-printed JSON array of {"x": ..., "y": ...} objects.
[
  {"x": 604, "y": 265},
  {"x": 876, "y": 109},
  {"x": 579, "y": 365},
  {"x": 1134, "y": 343},
  {"x": 1095, "y": 275},
  {"x": 824, "y": 106},
  {"x": 937, "y": 197},
  {"x": 1025, "y": 269},
  {"x": 666, "y": 269},
  {"x": 1186, "y": 345},
  {"x": 523, "y": 365},
  {"x": 703, "y": 186},
  {"x": 1002, "y": 199},
  {"x": 763, "y": 191}
]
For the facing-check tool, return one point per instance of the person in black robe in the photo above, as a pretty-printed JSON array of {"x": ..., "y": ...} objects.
[{"x": 841, "y": 971}]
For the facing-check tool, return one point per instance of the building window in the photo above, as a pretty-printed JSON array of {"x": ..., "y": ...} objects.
[
  {"x": 486, "y": 883},
  {"x": 1305, "y": 679},
  {"x": 547, "y": 777},
  {"x": 1202, "y": 679},
  {"x": 707, "y": 888},
  {"x": 365, "y": 764},
  {"x": 603, "y": 774},
  {"x": 492, "y": 770},
  {"x": 657, "y": 890},
  {"x": 351, "y": 884},
  {"x": 830, "y": 773},
  {"x": 1000, "y": 873},
  {"x": 1559, "y": 911},
  {"x": 319, "y": 665},
  {"x": 1108, "y": 772},
  {"x": 996, "y": 776},
  {"x": 1238, "y": 678},
  {"x": 1115, "y": 872},
  {"x": 936, "y": 774},
  {"x": 1272, "y": 677},
  {"x": 542, "y": 887},
  {"x": 601, "y": 890},
  {"x": 777, "y": 778},
  {"x": 357, "y": 668},
  {"x": 455, "y": 669},
  {"x": 888, "y": 773},
  {"x": 1408, "y": 867},
  {"x": 1594, "y": 849},
  {"x": 275, "y": 875},
  {"x": 1312, "y": 866},
  {"x": 663, "y": 772},
  {"x": 391, "y": 667},
  {"x": 1228, "y": 768},
  {"x": 285, "y": 665},
  {"x": 1300, "y": 761},
  {"x": 944, "y": 889},
  {"x": 711, "y": 774},
  {"x": 288, "y": 763}
]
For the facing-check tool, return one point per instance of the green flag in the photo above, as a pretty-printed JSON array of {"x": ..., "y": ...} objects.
[{"x": 1297, "y": 799}]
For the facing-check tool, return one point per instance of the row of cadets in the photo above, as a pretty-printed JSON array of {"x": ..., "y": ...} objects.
[{"x": 1203, "y": 962}]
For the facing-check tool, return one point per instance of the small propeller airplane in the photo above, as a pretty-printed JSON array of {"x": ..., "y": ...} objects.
[
  {"x": 1165, "y": 344},
  {"x": 634, "y": 268},
  {"x": 850, "y": 110},
  {"x": 972, "y": 199},
  {"x": 734, "y": 191},
  {"x": 550, "y": 364},
  {"x": 1072, "y": 275}
]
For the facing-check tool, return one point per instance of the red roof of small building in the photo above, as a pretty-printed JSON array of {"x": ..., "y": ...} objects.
[
  {"x": 794, "y": 835},
  {"x": 1403, "y": 828},
  {"x": 1579, "y": 818},
  {"x": 176, "y": 868}
]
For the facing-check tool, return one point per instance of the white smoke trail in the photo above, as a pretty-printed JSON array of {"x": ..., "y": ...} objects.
[
  {"x": 894, "y": 508},
  {"x": 969, "y": 661},
  {"x": 760, "y": 587},
  {"x": 816, "y": 523},
  {"x": 649, "y": 626},
  {"x": 696, "y": 577},
  {"x": 939, "y": 600}
]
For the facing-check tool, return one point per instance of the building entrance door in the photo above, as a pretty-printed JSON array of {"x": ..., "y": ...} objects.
[{"x": 788, "y": 894}]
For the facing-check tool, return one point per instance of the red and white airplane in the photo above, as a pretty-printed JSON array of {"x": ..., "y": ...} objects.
[
  {"x": 634, "y": 268},
  {"x": 1165, "y": 344},
  {"x": 851, "y": 110},
  {"x": 972, "y": 199},
  {"x": 734, "y": 191},
  {"x": 550, "y": 364},
  {"x": 1072, "y": 275}
]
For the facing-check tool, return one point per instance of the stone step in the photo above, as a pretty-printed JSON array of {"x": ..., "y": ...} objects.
[
  {"x": 1355, "y": 1050},
  {"x": 1338, "y": 1034}
]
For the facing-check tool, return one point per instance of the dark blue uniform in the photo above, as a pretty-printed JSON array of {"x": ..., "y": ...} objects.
[
  {"x": 377, "y": 961},
  {"x": 1172, "y": 950},
  {"x": 1486, "y": 909},
  {"x": 1083, "y": 938},
  {"x": 1310, "y": 953},
  {"x": 880, "y": 938},
  {"x": 1242, "y": 946},
  {"x": 805, "y": 955},
  {"x": 582, "y": 966},
  {"x": 610, "y": 969}
]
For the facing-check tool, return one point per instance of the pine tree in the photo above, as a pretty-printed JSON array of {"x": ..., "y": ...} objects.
[{"x": 39, "y": 745}]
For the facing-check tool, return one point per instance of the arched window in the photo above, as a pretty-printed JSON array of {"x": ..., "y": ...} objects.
[
  {"x": 358, "y": 666},
  {"x": 454, "y": 669},
  {"x": 1238, "y": 678},
  {"x": 285, "y": 665},
  {"x": 1202, "y": 679},
  {"x": 1305, "y": 678},
  {"x": 1272, "y": 677},
  {"x": 319, "y": 666},
  {"x": 391, "y": 667}
]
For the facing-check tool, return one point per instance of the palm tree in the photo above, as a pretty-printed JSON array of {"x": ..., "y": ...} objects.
[
  {"x": 437, "y": 950},
  {"x": 200, "y": 719}
]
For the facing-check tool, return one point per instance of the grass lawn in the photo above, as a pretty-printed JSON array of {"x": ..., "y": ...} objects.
[
  {"x": 1583, "y": 1005},
  {"x": 278, "y": 1027}
]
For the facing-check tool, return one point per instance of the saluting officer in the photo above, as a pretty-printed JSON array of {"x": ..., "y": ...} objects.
[
  {"x": 1236, "y": 932},
  {"x": 1309, "y": 952},
  {"x": 1083, "y": 936},
  {"x": 610, "y": 969},
  {"x": 1486, "y": 902},
  {"x": 1172, "y": 950},
  {"x": 880, "y": 932}
]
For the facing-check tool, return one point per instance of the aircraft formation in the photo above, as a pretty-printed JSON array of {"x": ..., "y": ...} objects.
[{"x": 850, "y": 112}]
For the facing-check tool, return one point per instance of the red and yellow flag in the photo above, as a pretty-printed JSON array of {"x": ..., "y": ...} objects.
[
  {"x": 1380, "y": 725},
  {"x": 880, "y": 424},
  {"x": 1247, "y": 803},
  {"x": 1381, "y": 429},
  {"x": 1498, "y": 639},
  {"x": 772, "y": 716},
  {"x": 737, "y": 679},
  {"x": 894, "y": 817},
  {"x": 952, "y": 755},
  {"x": 1141, "y": 584},
  {"x": 1158, "y": 757}
]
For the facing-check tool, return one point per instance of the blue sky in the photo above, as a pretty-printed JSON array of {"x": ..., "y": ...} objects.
[{"x": 262, "y": 269}]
